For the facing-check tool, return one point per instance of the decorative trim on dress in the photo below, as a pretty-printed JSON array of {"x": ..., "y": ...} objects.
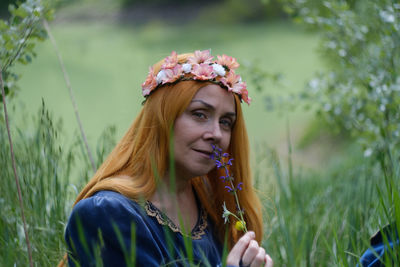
[{"x": 163, "y": 219}]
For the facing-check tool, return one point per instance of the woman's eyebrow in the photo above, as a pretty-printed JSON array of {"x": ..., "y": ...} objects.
[
  {"x": 231, "y": 114},
  {"x": 204, "y": 103}
]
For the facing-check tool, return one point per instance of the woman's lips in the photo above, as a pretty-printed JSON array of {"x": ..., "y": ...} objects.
[{"x": 203, "y": 152}]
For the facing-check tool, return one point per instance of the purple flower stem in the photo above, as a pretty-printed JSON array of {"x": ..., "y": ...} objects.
[
  {"x": 218, "y": 156},
  {"x": 236, "y": 198}
]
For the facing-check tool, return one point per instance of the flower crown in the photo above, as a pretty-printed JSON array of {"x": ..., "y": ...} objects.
[{"x": 199, "y": 67}]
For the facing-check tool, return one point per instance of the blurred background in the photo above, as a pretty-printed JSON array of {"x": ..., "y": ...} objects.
[
  {"x": 107, "y": 47},
  {"x": 324, "y": 123}
]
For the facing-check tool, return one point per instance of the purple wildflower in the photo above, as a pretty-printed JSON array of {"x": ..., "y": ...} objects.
[
  {"x": 230, "y": 189},
  {"x": 219, "y": 164},
  {"x": 239, "y": 186},
  {"x": 222, "y": 160}
]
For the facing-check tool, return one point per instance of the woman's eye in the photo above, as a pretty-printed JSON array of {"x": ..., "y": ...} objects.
[
  {"x": 226, "y": 123},
  {"x": 199, "y": 115}
]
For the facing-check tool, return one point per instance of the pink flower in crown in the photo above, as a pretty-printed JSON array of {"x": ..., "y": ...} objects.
[
  {"x": 200, "y": 57},
  {"x": 245, "y": 96},
  {"x": 171, "y": 75},
  {"x": 238, "y": 87},
  {"x": 230, "y": 80},
  {"x": 150, "y": 83},
  {"x": 170, "y": 61},
  {"x": 203, "y": 72},
  {"x": 227, "y": 61}
]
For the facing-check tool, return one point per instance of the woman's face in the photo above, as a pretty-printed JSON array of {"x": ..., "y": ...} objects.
[{"x": 207, "y": 120}]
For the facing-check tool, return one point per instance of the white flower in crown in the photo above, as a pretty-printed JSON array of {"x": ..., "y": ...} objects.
[
  {"x": 187, "y": 67},
  {"x": 218, "y": 69},
  {"x": 161, "y": 76}
]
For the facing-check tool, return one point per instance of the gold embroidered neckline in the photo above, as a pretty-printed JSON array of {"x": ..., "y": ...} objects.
[{"x": 163, "y": 219}]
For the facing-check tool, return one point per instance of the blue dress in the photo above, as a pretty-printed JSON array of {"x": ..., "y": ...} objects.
[
  {"x": 383, "y": 243},
  {"x": 115, "y": 230}
]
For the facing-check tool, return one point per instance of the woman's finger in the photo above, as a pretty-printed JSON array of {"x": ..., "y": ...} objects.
[
  {"x": 250, "y": 253},
  {"x": 238, "y": 249},
  {"x": 268, "y": 261},
  {"x": 259, "y": 259}
]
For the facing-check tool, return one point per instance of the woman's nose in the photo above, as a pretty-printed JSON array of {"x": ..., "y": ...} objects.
[{"x": 214, "y": 132}]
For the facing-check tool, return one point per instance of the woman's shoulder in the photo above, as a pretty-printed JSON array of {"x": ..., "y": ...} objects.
[
  {"x": 105, "y": 198},
  {"x": 108, "y": 212},
  {"x": 108, "y": 221},
  {"x": 107, "y": 204}
]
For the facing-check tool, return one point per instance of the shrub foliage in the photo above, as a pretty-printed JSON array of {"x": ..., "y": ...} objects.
[{"x": 360, "y": 91}]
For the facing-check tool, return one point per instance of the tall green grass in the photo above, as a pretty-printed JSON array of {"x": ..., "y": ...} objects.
[
  {"x": 314, "y": 218},
  {"x": 326, "y": 218},
  {"x": 46, "y": 175}
]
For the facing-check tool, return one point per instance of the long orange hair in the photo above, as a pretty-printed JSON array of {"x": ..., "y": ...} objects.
[{"x": 130, "y": 167}]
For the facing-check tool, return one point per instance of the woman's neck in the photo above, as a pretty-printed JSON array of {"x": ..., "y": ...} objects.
[{"x": 177, "y": 202}]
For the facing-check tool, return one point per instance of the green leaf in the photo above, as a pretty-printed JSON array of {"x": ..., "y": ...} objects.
[
  {"x": 22, "y": 61},
  {"x": 28, "y": 58},
  {"x": 6, "y": 37},
  {"x": 21, "y": 12},
  {"x": 6, "y": 90},
  {"x": 9, "y": 46},
  {"x": 49, "y": 15},
  {"x": 30, "y": 46},
  {"x": 3, "y": 25}
]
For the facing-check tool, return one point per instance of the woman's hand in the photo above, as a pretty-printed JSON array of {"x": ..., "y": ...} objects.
[{"x": 247, "y": 252}]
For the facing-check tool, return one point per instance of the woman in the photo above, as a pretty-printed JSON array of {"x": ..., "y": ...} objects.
[{"x": 157, "y": 199}]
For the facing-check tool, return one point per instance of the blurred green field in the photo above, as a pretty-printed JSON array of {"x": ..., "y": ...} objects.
[
  {"x": 107, "y": 62},
  {"x": 320, "y": 216}
]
